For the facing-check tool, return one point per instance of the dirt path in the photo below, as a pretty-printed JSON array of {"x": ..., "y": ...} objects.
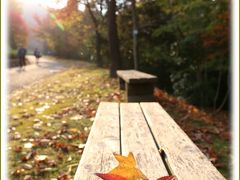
[{"x": 47, "y": 66}]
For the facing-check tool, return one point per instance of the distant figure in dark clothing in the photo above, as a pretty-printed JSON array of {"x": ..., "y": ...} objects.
[
  {"x": 21, "y": 55},
  {"x": 37, "y": 55}
]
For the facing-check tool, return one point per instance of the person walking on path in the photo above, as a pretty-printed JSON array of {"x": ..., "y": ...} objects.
[
  {"x": 21, "y": 55},
  {"x": 37, "y": 55}
]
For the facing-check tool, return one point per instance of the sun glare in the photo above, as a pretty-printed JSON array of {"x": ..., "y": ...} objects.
[
  {"x": 56, "y": 4},
  {"x": 81, "y": 7}
]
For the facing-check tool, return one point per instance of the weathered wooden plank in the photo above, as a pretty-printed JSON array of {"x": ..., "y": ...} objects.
[
  {"x": 185, "y": 158},
  {"x": 136, "y": 138},
  {"x": 133, "y": 76},
  {"x": 102, "y": 142}
]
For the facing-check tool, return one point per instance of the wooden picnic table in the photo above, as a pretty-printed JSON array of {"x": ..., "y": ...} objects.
[
  {"x": 159, "y": 145},
  {"x": 138, "y": 85}
]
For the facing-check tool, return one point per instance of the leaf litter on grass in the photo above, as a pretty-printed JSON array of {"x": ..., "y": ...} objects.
[
  {"x": 49, "y": 122},
  {"x": 211, "y": 133}
]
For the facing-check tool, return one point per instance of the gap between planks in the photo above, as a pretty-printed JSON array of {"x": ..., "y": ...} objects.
[{"x": 136, "y": 138}]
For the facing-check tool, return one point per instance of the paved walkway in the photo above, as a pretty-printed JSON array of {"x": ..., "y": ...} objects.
[{"x": 19, "y": 78}]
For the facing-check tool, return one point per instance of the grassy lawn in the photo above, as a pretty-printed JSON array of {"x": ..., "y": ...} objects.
[{"x": 49, "y": 122}]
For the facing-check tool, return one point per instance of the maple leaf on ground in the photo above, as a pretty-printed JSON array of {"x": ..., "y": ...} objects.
[
  {"x": 110, "y": 176},
  {"x": 166, "y": 178}
]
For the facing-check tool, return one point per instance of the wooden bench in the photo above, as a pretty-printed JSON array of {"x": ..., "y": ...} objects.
[
  {"x": 159, "y": 145},
  {"x": 138, "y": 85}
]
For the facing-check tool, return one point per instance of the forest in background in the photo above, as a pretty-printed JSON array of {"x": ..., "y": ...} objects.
[{"x": 185, "y": 43}]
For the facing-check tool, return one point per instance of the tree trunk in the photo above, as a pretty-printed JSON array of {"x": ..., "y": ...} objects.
[
  {"x": 223, "y": 102},
  {"x": 218, "y": 90},
  {"x": 200, "y": 81},
  {"x": 97, "y": 36},
  {"x": 113, "y": 39},
  {"x": 98, "y": 49},
  {"x": 135, "y": 33}
]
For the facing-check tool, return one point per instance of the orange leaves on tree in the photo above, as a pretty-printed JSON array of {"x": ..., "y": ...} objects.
[
  {"x": 216, "y": 40},
  {"x": 18, "y": 29}
]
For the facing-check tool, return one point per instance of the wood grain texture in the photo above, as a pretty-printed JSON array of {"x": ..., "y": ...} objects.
[
  {"x": 133, "y": 76},
  {"x": 136, "y": 138},
  {"x": 102, "y": 142},
  {"x": 185, "y": 158}
]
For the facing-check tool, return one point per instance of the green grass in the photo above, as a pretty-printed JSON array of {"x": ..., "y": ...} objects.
[
  {"x": 198, "y": 123},
  {"x": 222, "y": 148},
  {"x": 71, "y": 99}
]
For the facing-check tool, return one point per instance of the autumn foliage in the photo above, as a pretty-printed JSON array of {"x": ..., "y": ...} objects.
[
  {"x": 17, "y": 26},
  {"x": 18, "y": 30},
  {"x": 216, "y": 41}
]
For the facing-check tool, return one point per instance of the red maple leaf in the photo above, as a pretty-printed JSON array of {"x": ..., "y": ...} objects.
[
  {"x": 166, "y": 178},
  {"x": 110, "y": 176}
]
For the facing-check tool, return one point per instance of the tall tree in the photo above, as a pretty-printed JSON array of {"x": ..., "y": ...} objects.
[
  {"x": 135, "y": 33},
  {"x": 113, "y": 38},
  {"x": 97, "y": 33}
]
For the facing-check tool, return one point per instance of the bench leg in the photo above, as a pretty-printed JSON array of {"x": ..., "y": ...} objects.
[
  {"x": 139, "y": 92},
  {"x": 121, "y": 83}
]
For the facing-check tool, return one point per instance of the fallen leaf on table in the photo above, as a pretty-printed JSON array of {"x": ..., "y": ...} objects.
[
  {"x": 110, "y": 176},
  {"x": 127, "y": 168},
  {"x": 166, "y": 178}
]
